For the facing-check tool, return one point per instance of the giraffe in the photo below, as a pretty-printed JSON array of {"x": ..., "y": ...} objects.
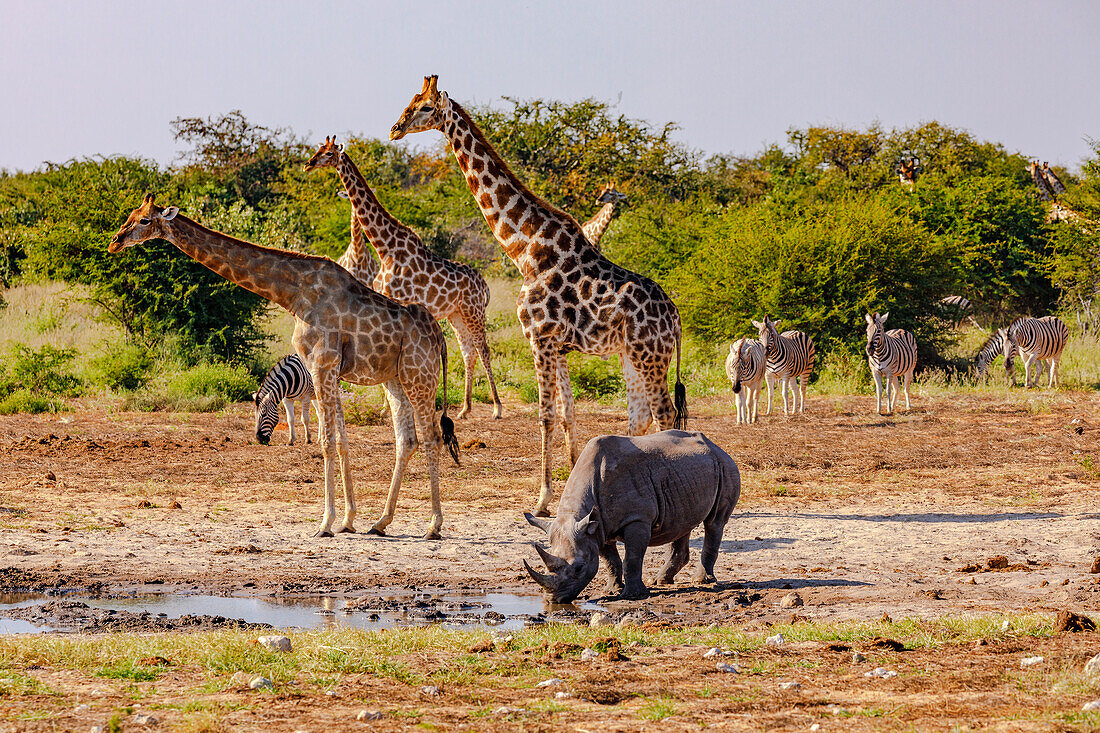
[
  {"x": 597, "y": 225},
  {"x": 343, "y": 330},
  {"x": 357, "y": 258},
  {"x": 572, "y": 298},
  {"x": 412, "y": 273}
]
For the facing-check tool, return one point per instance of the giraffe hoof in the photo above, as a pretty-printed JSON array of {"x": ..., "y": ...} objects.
[
  {"x": 433, "y": 534},
  {"x": 322, "y": 533},
  {"x": 346, "y": 530},
  {"x": 376, "y": 532},
  {"x": 541, "y": 513}
]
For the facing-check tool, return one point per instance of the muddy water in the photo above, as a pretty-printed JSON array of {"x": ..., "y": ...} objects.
[{"x": 499, "y": 610}]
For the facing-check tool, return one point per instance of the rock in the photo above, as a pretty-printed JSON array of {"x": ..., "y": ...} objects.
[
  {"x": 723, "y": 667},
  {"x": 598, "y": 620},
  {"x": 562, "y": 695},
  {"x": 815, "y": 726},
  {"x": 791, "y": 600},
  {"x": 550, "y": 682},
  {"x": 881, "y": 672},
  {"x": 712, "y": 652},
  {"x": 790, "y": 686},
  {"x": 260, "y": 683},
  {"x": 1095, "y": 565},
  {"x": 776, "y": 640},
  {"x": 1094, "y": 705},
  {"x": 82, "y": 708},
  {"x": 857, "y": 658},
  {"x": 587, "y": 655},
  {"x": 144, "y": 719},
  {"x": 508, "y": 710},
  {"x": 96, "y": 729},
  {"x": 1092, "y": 667},
  {"x": 369, "y": 715},
  {"x": 1030, "y": 661},
  {"x": 483, "y": 646},
  {"x": 997, "y": 562},
  {"x": 430, "y": 691},
  {"x": 276, "y": 643},
  {"x": 1072, "y": 622}
]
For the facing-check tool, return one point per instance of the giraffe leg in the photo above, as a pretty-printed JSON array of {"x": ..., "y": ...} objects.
[
  {"x": 345, "y": 467},
  {"x": 566, "y": 413},
  {"x": 305, "y": 417},
  {"x": 469, "y": 359},
  {"x": 546, "y": 372},
  {"x": 638, "y": 414},
  {"x": 476, "y": 326},
  {"x": 404, "y": 433},
  {"x": 326, "y": 388},
  {"x": 656, "y": 387},
  {"x": 432, "y": 440}
]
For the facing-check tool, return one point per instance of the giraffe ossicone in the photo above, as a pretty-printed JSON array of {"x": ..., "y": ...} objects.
[
  {"x": 573, "y": 298},
  {"x": 342, "y": 330}
]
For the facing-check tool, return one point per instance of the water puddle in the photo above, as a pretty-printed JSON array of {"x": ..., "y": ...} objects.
[{"x": 23, "y": 613}]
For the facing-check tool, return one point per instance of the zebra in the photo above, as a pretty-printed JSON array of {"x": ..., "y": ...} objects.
[
  {"x": 1041, "y": 339},
  {"x": 790, "y": 356},
  {"x": 287, "y": 382},
  {"x": 889, "y": 353},
  {"x": 954, "y": 308},
  {"x": 993, "y": 347},
  {"x": 745, "y": 366}
]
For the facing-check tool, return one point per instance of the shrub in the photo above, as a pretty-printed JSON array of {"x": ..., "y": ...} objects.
[
  {"x": 42, "y": 372},
  {"x": 594, "y": 378},
  {"x": 121, "y": 367},
  {"x": 23, "y": 400},
  {"x": 231, "y": 383}
]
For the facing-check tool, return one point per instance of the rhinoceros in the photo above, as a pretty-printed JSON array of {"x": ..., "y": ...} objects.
[{"x": 646, "y": 490}]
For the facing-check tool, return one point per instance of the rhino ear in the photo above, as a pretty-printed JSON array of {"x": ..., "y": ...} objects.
[
  {"x": 543, "y": 524},
  {"x": 591, "y": 523}
]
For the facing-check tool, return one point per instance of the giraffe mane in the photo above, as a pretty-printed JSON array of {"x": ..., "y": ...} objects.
[{"x": 506, "y": 169}]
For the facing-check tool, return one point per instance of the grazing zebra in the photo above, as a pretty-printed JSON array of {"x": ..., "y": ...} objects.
[
  {"x": 890, "y": 353},
  {"x": 1039, "y": 339},
  {"x": 287, "y": 381},
  {"x": 790, "y": 356},
  {"x": 745, "y": 366},
  {"x": 993, "y": 347}
]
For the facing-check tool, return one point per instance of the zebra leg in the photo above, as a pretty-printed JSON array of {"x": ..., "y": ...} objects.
[
  {"x": 288, "y": 405},
  {"x": 802, "y": 392},
  {"x": 908, "y": 381},
  {"x": 754, "y": 401},
  {"x": 404, "y": 433},
  {"x": 1028, "y": 361},
  {"x": 877, "y": 376},
  {"x": 1054, "y": 373},
  {"x": 305, "y": 417},
  {"x": 768, "y": 378},
  {"x": 784, "y": 385}
]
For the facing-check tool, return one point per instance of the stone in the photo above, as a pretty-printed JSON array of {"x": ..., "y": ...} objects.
[
  {"x": 712, "y": 652},
  {"x": 598, "y": 620},
  {"x": 144, "y": 719},
  {"x": 857, "y": 658},
  {"x": 1030, "y": 661},
  {"x": 96, "y": 729},
  {"x": 550, "y": 682},
  {"x": 1092, "y": 667},
  {"x": 791, "y": 600},
  {"x": 723, "y": 667},
  {"x": 1095, "y": 565},
  {"x": 587, "y": 655},
  {"x": 369, "y": 715},
  {"x": 790, "y": 686},
  {"x": 82, "y": 708},
  {"x": 776, "y": 640},
  {"x": 815, "y": 726},
  {"x": 562, "y": 695},
  {"x": 1094, "y": 705},
  {"x": 881, "y": 672},
  {"x": 276, "y": 643},
  {"x": 430, "y": 691},
  {"x": 260, "y": 683}
]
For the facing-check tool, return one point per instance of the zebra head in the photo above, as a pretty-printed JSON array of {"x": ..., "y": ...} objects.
[
  {"x": 876, "y": 331},
  {"x": 769, "y": 333},
  {"x": 734, "y": 361},
  {"x": 267, "y": 415},
  {"x": 993, "y": 347}
]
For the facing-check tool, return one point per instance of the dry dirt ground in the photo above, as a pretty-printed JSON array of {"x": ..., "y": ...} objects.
[{"x": 862, "y": 515}]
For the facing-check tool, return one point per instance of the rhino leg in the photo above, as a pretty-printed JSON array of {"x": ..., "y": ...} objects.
[
  {"x": 610, "y": 554},
  {"x": 712, "y": 541},
  {"x": 677, "y": 558},
  {"x": 636, "y": 537}
]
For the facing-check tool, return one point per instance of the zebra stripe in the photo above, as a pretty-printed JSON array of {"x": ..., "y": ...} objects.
[
  {"x": 1037, "y": 339},
  {"x": 288, "y": 381},
  {"x": 890, "y": 354},
  {"x": 993, "y": 347},
  {"x": 790, "y": 356},
  {"x": 745, "y": 366}
]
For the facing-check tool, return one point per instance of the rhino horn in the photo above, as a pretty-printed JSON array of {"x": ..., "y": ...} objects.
[
  {"x": 553, "y": 563},
  {"x": 543, "y": 524},
  {"x": 545, "y": 581}
]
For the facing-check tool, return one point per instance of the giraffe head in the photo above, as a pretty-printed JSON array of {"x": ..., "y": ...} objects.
[
  {"x": 875, "y": 330},
  {"x": 425, "y": 111},
  {"x": 608, "y": 195},
  {"x": 768, "y": 331},
  {"x": 328, "y": 155},
  {"x": 146, "y": 222}
]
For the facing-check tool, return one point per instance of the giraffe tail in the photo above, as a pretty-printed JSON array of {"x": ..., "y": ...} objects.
[
  {"x": 679, "y": 399},
  {"x": 446, "y": 424}
]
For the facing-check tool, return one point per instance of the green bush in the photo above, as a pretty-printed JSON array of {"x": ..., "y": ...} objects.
[
  {"x": 23, "y": 400},
  {"x": 231, "y": 383},
  {"x": 45, "y": 371},
  {"x": 594, "y": 378},
  {"x": 121, "y": 367}
]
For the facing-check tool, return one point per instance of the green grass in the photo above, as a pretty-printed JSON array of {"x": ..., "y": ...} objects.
[{"x": 658, "y": 709}]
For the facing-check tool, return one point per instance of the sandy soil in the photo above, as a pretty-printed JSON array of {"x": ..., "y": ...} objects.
[{"x": 860, "y": 514}]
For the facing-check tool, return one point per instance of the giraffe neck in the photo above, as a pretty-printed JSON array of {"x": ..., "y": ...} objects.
[
  {"x": 379, "y": 225},
  {"x": 527, "y": 227},
  {"x": 279, "y": 276},
  {"x": 597, "y": 225},
  {"x": 357, "y": 257}
]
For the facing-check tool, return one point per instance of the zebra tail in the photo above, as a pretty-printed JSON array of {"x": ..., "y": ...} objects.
[
  {"x": 446, "y": 424},
  {"x": 679, "y": 400}
]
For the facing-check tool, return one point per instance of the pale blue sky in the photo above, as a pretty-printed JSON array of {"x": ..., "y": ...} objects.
[{"x": 86, "y": 78}]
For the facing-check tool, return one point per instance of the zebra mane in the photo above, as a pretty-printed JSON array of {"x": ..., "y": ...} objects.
[
  {"x": 265, "y": 383},
  {"x": 993, "y": 346}
]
